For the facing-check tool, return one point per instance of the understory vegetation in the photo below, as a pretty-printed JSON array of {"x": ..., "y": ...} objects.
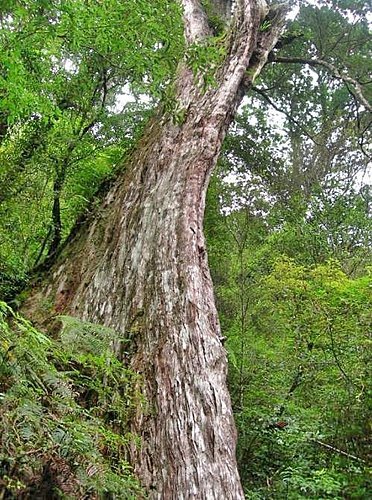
[
  {"x": 288, "y": 230},
  {"x": 64, "y": 406}
]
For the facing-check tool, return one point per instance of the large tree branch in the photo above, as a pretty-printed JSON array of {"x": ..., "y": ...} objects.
[
  {"x": 196, "y": 26},
  {"x": 247, "y": 47},
  {"x": 274, "y": 19},
  {"x": 357, "y": 91},
  {"x": 252, "y": 43}
]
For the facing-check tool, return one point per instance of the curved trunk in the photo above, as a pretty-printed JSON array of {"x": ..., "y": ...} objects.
[{"x": 141, "y": 268}]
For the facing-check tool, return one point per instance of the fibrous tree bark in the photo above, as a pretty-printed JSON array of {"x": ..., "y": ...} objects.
[{"x": 140, "y": 267}]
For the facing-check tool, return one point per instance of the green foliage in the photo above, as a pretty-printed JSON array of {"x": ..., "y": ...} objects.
[
  {"x": 205, "y": 58},
  {"x": 308, "y": 344},
  {"x": 63, "y": 70},
  {"x": 265, "y": 25},
  {"x": 289, "y": 256},
  {"x": 297, "y": 339},
  {"x": 288, "y": 228},
  {"x": 52, "y": 45},
  {"x": 64, "y": 408}
]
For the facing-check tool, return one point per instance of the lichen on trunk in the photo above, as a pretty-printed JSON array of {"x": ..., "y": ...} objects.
[{"x": 140, "y": 267}]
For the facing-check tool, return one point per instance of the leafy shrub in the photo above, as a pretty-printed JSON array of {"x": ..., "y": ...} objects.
[{"x": 298, "y": 378}]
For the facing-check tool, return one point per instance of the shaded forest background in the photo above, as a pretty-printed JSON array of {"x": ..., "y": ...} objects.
[{"x": 288, "y": 229}]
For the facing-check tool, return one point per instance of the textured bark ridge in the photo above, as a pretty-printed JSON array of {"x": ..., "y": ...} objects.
[{"x": 141, "y": 268}]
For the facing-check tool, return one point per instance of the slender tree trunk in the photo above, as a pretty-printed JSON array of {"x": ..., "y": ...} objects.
[
  {"x": 141, "y": 268},
  {"x": 56, "y": 215}
]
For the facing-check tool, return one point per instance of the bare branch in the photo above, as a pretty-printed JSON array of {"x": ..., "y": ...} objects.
[
  {"x": 358, "y": 91},
  {"x": 262, "y": 93}
]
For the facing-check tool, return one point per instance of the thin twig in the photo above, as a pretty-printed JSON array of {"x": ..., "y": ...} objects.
[
  {"x": 336, "y": 450},
  {"x": 262, "y": 93}
]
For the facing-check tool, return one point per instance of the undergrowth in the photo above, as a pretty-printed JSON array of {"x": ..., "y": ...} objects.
[{"x": 64, "y": 404}]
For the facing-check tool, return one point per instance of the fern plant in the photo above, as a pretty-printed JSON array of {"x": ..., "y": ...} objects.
[{"x": 64, "y": 407}]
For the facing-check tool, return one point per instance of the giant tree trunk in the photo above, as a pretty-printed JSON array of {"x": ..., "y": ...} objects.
[{"x": 141, "y": 268}]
